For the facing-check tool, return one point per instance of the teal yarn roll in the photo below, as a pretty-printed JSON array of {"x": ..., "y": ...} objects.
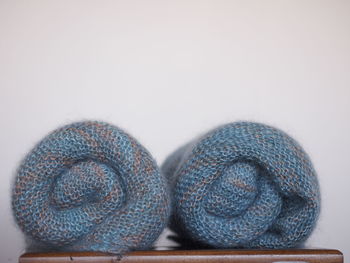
[
  {"x": 244, "y": 185},
  {"x": 89, "y": 186}
]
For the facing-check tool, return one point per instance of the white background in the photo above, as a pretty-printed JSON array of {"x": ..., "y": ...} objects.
[{"x": 166, "y": 71}]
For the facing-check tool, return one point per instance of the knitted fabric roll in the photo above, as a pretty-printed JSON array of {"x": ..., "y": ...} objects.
[
  {"x": 243, "y": 185},
  {"x": 89, "y": 186}
]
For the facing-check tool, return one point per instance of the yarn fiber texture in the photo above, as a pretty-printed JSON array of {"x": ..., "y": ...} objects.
[
  {"x": 243, "y": 185},
  {"x": 89, "y": 186}
]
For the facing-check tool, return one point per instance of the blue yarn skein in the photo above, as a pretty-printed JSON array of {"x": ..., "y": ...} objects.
[
  {"x": 245, "y": 185},
  {"x": 89, "y": 186}
]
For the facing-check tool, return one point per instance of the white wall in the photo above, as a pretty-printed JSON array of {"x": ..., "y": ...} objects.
[{"x": 169, "y": 70}]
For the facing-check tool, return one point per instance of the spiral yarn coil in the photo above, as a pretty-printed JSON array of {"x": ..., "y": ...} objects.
[
  {"x": 89, "y": 186},
  {"x": 243, "y": 184}
]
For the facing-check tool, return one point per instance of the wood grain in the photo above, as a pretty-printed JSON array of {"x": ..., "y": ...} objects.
[{"x": 195, "y": 256}]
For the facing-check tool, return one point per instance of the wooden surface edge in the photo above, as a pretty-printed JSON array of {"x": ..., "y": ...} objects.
[{"x": 196, "y": 256}]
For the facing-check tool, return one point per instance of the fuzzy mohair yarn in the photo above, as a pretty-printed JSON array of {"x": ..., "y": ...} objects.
[
  {"x": 89, "y": 186},
  {"x": 244, "y": 185}
]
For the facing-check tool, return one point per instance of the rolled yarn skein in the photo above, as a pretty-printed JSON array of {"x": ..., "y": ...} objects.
[
  {"x": 89, "y": 186},
  {"x": 245, "y": 185}
]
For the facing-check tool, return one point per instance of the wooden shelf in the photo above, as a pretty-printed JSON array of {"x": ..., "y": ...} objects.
[{"x": 195, "y": 256}]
